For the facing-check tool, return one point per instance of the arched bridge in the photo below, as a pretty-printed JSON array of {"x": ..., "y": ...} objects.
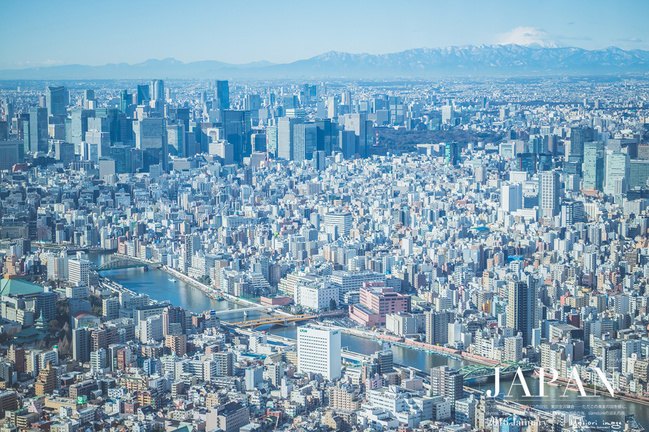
[
  {"x": 273, "y": 320},
  {"x": 471, "y": 371},
  {"x": 115, "y": 262}
]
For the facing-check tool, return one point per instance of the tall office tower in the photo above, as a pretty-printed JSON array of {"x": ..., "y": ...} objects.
[
  {"x": 98, "y": 134},
  {"x": 536, "y": 145},
  {"x": 362, "y": 129},
  {"x": 437, "y": 326},
  {"x": 151, "y": 140},
  {"x": 120, "y": 128},
  {"x": 578, "y": 137},
  {"x": 271, "y": 140},
  {"x": 617, "y": 173},
  {"x": 125, "y": 101},
  {"x": 305, "y": 136},
  {"x": 511, "y": 197},
  {"x": 258, "y": 142},
  {"x": 222, "y": 95},
  {"x": 7, "y": 110},
  {"x": 285, "y": 137},
  {"x": 593, "y": 166},
  {"x": 319, "y": 160},
  {"x": 327, "y": 135},
  {"x": 158, "y": 90},
  {"x": 545, "y": 162},
  {"x": 332, "y": 107},
  {"x": 396, "y": 110},
  {"x": 521, "y": 308},
  {"x": 318, "y": 351},
  {"x": 448, "y": 115},
  {"x": 176, "y": 139},
  {"x": 452, "y": 153},
  {"x": 347, "y": 143},
  {"x": 182, "y": 116},
  {"x": 81, "y": 344},
  {"x": 35, "y": 131},
  {"x": 252, "y": 103},
  {"x": 447, "y": 382},
  {"x": 89, "y": 99},
  {"x": 236, "y": 130},
  {"x": 75, "y": 130},
  {"x": 46, "y": 305},
  {"x": 143, "y": 94},
  {"x": 526, "y": 162},
  {"x": 549, "y": 193},
  {"x": 346, "y": 98},
  {"x": 57, "y": 99},
  {"x": 11, "y": 152}
]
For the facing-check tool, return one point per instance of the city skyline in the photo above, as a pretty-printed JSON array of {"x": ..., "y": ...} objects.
[
  {"x": 268, "y": 33},
  {"x": 324, "y": 239}
]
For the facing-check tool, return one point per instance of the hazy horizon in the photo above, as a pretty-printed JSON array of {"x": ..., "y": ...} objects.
[{"x": 93, "y": 33}]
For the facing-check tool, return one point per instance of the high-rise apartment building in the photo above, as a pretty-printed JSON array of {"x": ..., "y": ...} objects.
[
  {"x": 437, "y": 326},
  {"x": 447, "y": 382},
  {"x": 549, "y": 193},
  {"x": 521, "y": 306},
  {"x": 79, "y": 271}
]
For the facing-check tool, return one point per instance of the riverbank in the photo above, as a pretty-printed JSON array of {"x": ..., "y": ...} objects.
[
  {"x": 211, "y": 292},
  {"x": 422, "y": 346},
  {"x": 469, "y": 357}
]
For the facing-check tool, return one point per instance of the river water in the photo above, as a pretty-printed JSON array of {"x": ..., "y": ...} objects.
[{"x": 162, "y": 287}]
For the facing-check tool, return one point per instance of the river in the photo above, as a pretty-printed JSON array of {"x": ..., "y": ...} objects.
[{"x": 162, "y": 287}]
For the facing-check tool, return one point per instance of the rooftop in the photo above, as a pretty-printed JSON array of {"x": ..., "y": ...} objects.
[{"x": 18, "y": 287}]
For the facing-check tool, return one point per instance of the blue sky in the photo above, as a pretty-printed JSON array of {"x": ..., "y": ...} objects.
[{"x": 47, "y": 32}]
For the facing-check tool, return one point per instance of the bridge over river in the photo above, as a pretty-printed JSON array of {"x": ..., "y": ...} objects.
[{"x": 120, "y": 262}]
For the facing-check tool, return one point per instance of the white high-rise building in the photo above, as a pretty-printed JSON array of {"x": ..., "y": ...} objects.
[
  {"x": 151, "y": 329},
  {"x": 549, "y": 193},
  {"x": 617, "y": 173},
  {"x": 513, "y": 348},
  {"x": 79, "y": 271},
  {"x": 318, "y": 351},
  {"x": 98, "y": 360},
  {"x": 448, "y": 115},
  {"x": 511, "y": 197},
  {"x": 57, "y": 266}
]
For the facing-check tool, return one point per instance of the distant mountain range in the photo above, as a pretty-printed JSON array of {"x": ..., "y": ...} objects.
[{"x": 466, "y": 61}]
